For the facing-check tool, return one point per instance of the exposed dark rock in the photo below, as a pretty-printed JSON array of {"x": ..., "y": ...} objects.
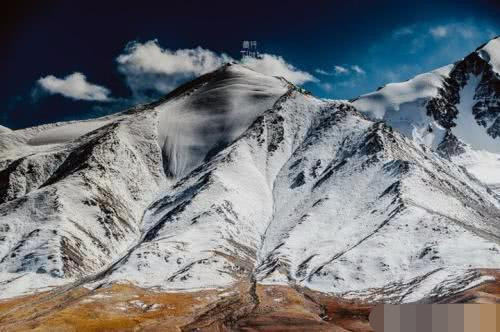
[
  {"x": 450, "y": 146},
  {"x": 486, "y": 110},
  {"x": 299, "y": 180}
]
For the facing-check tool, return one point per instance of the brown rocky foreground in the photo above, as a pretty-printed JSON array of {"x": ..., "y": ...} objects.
[{"x": 245, "y": 307}]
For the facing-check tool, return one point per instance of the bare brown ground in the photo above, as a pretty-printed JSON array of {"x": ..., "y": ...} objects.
[
  {"x": 116, "y": 308},
  {"x": 245, "y": 307},
  {"x": 488, "y": 293}
]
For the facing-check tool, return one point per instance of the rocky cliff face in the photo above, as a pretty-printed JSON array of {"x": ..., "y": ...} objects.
[
  {"x": 71, "y": 208},
  {"x": 454, "y": 110},
  {"x": 486, "y": 106}
]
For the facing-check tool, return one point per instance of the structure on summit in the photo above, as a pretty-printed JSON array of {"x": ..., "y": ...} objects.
[{"x": 249, "y": 49}]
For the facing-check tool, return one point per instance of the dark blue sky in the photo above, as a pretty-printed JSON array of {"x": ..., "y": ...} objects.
[{"x": 346, "y": 47}]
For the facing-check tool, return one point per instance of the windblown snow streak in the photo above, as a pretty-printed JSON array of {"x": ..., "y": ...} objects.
[
  {"x": 215, "y": 113},
  {"x": 237, "y": 176},
  {"x": 316, "y": 194}
]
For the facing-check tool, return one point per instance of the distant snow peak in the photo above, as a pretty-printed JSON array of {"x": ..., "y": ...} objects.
[{"x": 448, "y": 109}]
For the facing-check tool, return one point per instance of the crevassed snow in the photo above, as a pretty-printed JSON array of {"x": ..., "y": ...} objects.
[
  {"x": 212, "y": 116},
  {"x": 66, "y": 133},
  {"x": 491, "y": 53},
  {"x": 402, "y": 105}
]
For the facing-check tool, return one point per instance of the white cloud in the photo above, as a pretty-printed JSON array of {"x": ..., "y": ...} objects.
[
  {"x": 439, "y": 31},
  {"x": 342, "y": 71},
  {"x": 148, "y": 68},
  {"x": 465, "y": 30},
  {"x": 339, "y": 70},
  {"x": 150, "y": 57},
  {"x": 74, "y": 86},
  {"x": 404, "y": 31},
  {"x": 358, "y": 70},
  {"x": 457, "y": 29},
  {"x": 322, "y": 72},
  {"x": 275, "y": 65}
]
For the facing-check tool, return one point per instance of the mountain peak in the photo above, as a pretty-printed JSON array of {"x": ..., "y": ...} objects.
[
  {"x": 207, "y": 114},
  {"x": 490, "y": 52},
  {"x": 239, "y": 178},
  {"x": 4, "y": 129},
  {"x": 453, "y": 110}
]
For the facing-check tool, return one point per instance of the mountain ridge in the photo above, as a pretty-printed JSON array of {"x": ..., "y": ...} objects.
[{"x": 281, "y": 188}]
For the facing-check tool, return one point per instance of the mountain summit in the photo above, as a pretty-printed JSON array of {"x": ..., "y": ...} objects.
[
  {"x": 241, "y": 178},
  {"x": 455, "y": 110}
]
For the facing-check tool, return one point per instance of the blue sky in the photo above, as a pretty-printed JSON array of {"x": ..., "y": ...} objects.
[
  {"x": 65, "y": 61},
  {"x": 402, "y": 53}
]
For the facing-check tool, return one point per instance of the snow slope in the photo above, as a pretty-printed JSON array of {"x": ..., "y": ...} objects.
[
  {"x": 460, "y": 101},
  {"x": 69, "y": 209},
  {"x": 66, "y": 132},
  {"x": 491, "y": 53},
  {"x": 402, "y": 105},
  {"x": 4, "y": 129},
  {"x": 88, "y": 183},
  {"x": 239, "y": 176},
  {"x": 215, "y": 113},
  {"x": 483, "y": 165},
  {"x": 316, "y": 194}
]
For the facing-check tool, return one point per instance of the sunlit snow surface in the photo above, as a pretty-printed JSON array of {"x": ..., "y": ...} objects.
[
  {"x": 213, "y": 115},
  {"x": 302, "y": 191},
  {"x": 402, "y": 106},
  {"x": 491, "y": 53},
  {"x": 66, "y": 132},
  {"x": 467, "y": 129},
  {"x": 4, "y": 129},
  {"x": 299, "y": 198}
]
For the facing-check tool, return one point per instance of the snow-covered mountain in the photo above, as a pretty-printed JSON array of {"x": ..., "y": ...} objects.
[
  {"x": 237, "y": 176},
  {"x": 454, "y": 109}
]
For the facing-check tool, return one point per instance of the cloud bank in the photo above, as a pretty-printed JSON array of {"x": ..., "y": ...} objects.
[
  {"x": 74, "y": 86},
  {"x": 150, "y": 69},
  {"x": 275, "y": 65}
]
